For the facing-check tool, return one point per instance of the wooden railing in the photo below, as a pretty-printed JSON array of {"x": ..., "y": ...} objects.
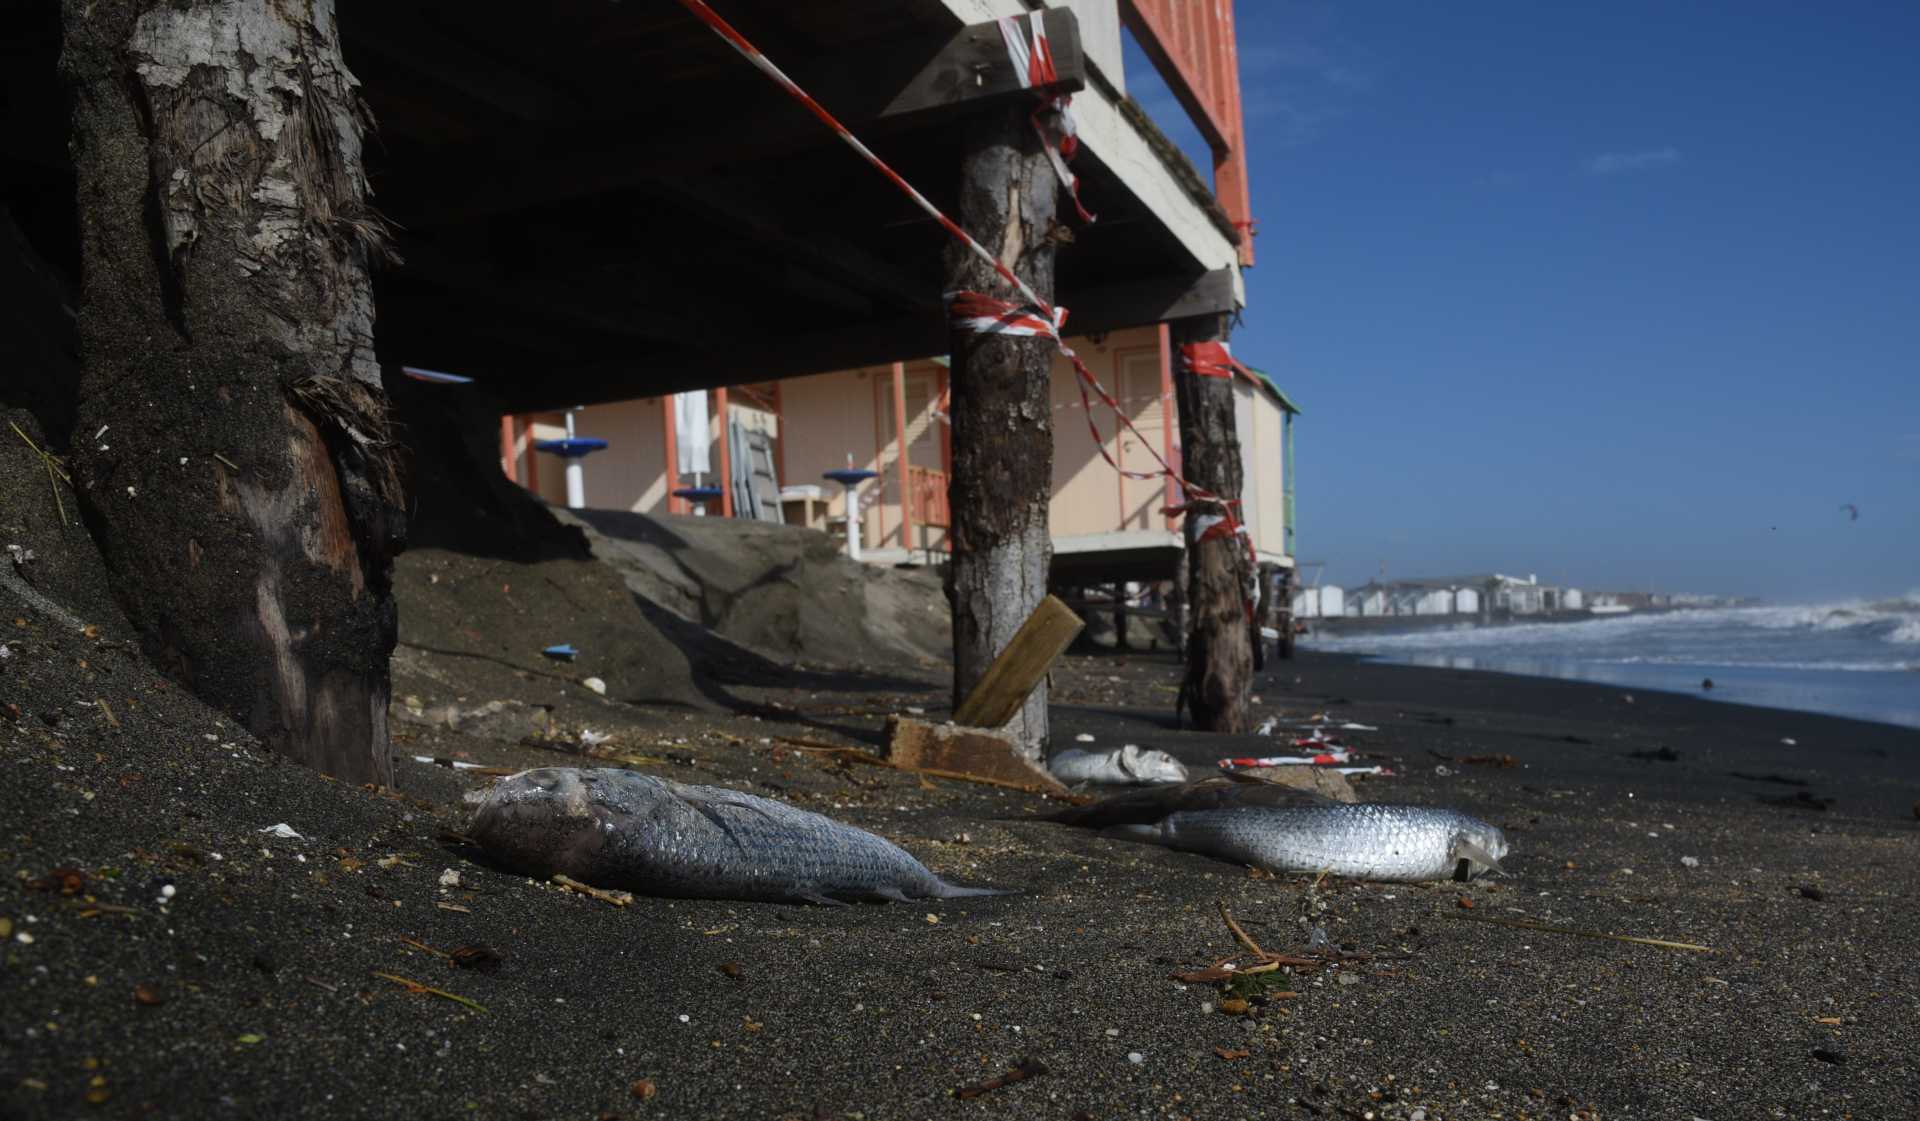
[
  {"x": 1191, "y": 43},
  {"x": 927, "y": 497}
]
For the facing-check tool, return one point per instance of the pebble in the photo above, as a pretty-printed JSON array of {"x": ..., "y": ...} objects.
[
  {"x": 1136, "y": 1057},
  {"x": 1690, "y": 861}
]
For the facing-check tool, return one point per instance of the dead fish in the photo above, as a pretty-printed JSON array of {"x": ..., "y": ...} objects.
[
  {"x": 1285, "y": 830},
  {"x": 618, "y": 829},
  {"x": 1130, "y": 765}
]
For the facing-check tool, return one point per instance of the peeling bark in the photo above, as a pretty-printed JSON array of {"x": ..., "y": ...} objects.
[
  {"x": 242, "y": 482},
  {"x": 1002, "y": 412},
  {"x": 1219, "y": 655}
]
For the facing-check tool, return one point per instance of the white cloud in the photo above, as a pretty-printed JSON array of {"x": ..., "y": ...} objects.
[{"x": 1616, "y": 163}]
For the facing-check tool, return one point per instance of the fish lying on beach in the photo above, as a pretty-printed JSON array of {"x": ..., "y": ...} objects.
[
  {"x": 1286, "y": 830},
  {"x": 1130, "y": 765},
  {"x": 618, "y": 829}
]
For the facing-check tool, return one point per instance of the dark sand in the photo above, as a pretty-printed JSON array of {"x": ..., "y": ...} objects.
[{"x": 262, "y": 966}]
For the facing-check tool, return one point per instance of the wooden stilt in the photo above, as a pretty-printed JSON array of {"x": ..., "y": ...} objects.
[
  {"x": 1002, "y": 420},
  {"x": 1219, "y": 657},
  {"x": 726, "y": 453}
]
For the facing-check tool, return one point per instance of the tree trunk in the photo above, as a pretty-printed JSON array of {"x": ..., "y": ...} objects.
[
  {"x": 1219, "y": 657},
  {"x": 233, "y": 448},
  {"x": 1002, "y": 416}
]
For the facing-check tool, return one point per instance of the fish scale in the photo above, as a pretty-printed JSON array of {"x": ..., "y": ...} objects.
[
  {"x": 1364, "y": 841},
  {"x": 617, "y": 829}
]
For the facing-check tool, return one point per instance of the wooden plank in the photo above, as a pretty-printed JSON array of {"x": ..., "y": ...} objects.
[
  {"x": 1018, "y": 669},
  {"x": 974, "y": 66}
]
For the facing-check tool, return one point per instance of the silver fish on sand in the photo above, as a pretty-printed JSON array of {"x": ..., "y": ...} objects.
[
  {"x": 1283, "y": 830},
  {"x": 618, "y": 829}
]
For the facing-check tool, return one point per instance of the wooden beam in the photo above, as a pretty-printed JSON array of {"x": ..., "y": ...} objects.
[
  {"x": 671, "y": 439},
  {"x": 726, "y": 452},
  {"x": 915, "y": 82},
  {"x": 870, "y": 343},
  {"x": 1019, "y": 668},
  {"x": 900, "y": 455},
  {"x": 409, "y": 44},
  {"x": 973, "y": 66}
]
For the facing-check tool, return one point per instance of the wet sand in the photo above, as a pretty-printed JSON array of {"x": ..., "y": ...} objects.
[{"x": 255, "y": 988}]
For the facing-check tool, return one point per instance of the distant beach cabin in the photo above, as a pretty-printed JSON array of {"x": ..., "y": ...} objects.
[{"x": 781, "y": 437}]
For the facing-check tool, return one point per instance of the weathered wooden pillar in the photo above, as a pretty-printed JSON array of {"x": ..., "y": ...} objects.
[
  {"x": 1219, "y": 657},
  {"x": 1262, "y": 616},
  {"x": 1120, "y": 640},
  {"x": 1001, "y": 414},
  {"x": 239, "y": 470},
  {"x": 1283, "y": 615}
]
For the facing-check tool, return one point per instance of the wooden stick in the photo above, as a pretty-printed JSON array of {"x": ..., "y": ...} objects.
[
  {"x": 1017, "y": 670},
  {"x": 416, "y": 987},
  {"x": 1525, "y": 924},
  {"x": 1245, "y": 938},
  {"x": 419, "y": 945},
  {"x": 616, "y": 898}
]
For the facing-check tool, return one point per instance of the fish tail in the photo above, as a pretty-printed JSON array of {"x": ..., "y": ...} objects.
[{"x": 955, "y": 891}]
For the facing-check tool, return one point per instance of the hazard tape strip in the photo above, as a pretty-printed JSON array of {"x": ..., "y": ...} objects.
[
  {"x": 1003, "y": 316},
  {"x": 1213, "y": 360},
  {"x": 1033, "y": 63}
]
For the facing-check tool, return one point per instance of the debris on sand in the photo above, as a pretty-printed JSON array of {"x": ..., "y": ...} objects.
[{"x": 1025, "y": 1069}]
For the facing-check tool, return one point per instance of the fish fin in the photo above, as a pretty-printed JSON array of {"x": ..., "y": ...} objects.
[
  {"x": 816, "y": 898},
  {"x": 1148, "y": 834},
  {"x": 1464, "y": 849},
  {"x": 708, "y": 807},
  {"x": 955, "y": 891},
  {"x": 891, "y": 894}
]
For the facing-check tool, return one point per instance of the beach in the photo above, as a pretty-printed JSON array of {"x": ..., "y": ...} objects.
[{"x": 307, "y": 977}]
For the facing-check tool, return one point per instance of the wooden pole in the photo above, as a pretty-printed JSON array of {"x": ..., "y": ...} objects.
[
  {"x": 726, "y": 452},
  {"x": 1002, "y": 422},
  {"x": 506, "y": 448},
  {"x": 1219, "y": 657},
  {"x": 248, "y": 502},
  {"x": 671, "y": 439},
  {"x": 900, "y": 454},
  {"x": 1167, "y": 409}
]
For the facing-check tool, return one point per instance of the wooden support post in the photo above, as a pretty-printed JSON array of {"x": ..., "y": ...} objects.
[
  {"x": 1167, "y": 410},
  {"x": 248, "y": 502},
  {"x": 1283, "y": 618},
  {"x": 1219, "y": 657},
  {"x": 670, "y": 437},
  {"x": 900, "y": 455},
  {"x": 1262, "y": 616},
  {"x": 506, "y": 448},
  {"x": 1002, "y": 415},
  {"x": 726, "y": 452},
  {"x": 1021, "y": 667},
  {"x": 1120, "y": 640},
  {"x": 525, "y": 447}
]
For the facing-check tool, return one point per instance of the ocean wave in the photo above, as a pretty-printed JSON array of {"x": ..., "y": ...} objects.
[{"x": 1677, "y": 660}]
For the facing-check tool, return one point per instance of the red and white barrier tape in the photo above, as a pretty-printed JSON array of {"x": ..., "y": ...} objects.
[
  {"x": 967, "y": 308},
  {"x": 1033, "y": 62},
  {"x": 1213, "y": 360},
  {"x": 1325, "y": 759}
]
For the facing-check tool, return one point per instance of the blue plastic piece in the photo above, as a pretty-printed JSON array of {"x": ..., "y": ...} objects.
[
  {"x": 847, "y": 476},
  {"x": 571, "y": 448},
  {"x": 698, "y": 494},
  {"x": 561, "y": 653}
]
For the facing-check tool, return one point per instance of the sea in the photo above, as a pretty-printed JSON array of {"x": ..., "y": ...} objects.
[{"x": 1857, "y": 658}]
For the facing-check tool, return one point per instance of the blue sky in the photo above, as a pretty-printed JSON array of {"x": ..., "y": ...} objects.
[{"x": 1627, "y": 295}]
